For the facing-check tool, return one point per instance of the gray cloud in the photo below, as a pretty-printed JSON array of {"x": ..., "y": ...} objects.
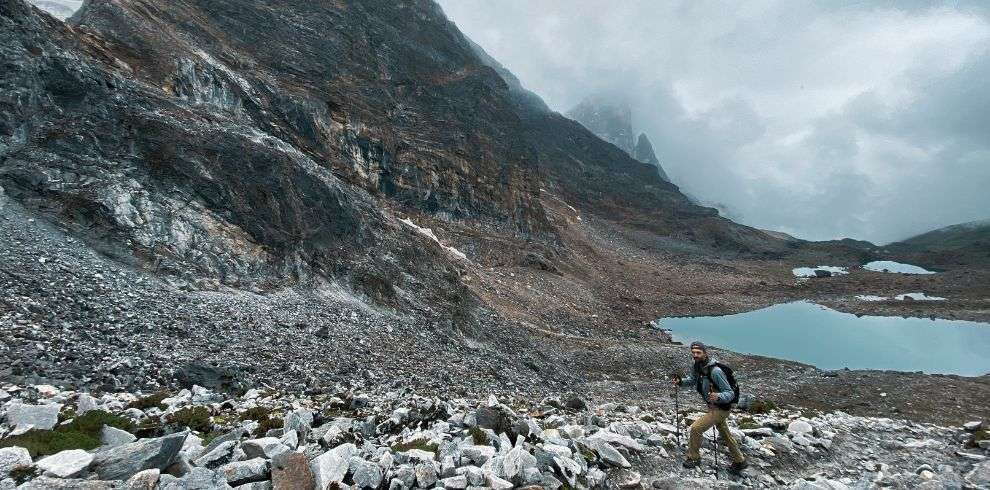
[{"x": 823, "y": 120}]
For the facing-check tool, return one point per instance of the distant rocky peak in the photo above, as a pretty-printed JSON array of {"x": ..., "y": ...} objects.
[
  {"x": 644, "y": 153},
  {"x": 609, "y": 116}
]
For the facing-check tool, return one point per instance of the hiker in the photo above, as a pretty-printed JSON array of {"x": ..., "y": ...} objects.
[{"x": 709, "y": 379}]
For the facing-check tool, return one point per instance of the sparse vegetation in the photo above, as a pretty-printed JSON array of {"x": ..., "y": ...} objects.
[
  {"x": 265, "y": 418},
  {"x": 478, "y": 435},
  {"x": 762, "y": 406},
  {"x": 421, "y": 444},
  {"x": 82, "y": 433},
  {"x": 196, "y": 418},
  {"x": 150, "y": 401}
]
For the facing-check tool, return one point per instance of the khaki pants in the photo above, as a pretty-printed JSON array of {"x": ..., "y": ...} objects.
[{"x": 715, "y": 417}]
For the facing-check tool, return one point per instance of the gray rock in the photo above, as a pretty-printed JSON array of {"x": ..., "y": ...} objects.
[
  {"x": 416, "y": 456},
  {"x": 516, "y": 461},
  {"x": 800, "y": 427},
  {"x": 265, "y": 447},
  {"x": 608, "y": 454},
  {"x": 475, "y": 476},
  {"x": 290, "y": 439},
  {"x": 760, "y": 432},
  {"x": 241, "y": 472},
  {"x": 219, "y": 456},
  {"x": 624, "y": 478},
  {"x": 85, "y": 403},
  {"x": 143, "y": 480},
  {"x": 234, "y": 435},
  {"x": 426, "y": 475},
  {"x": 497, "y": 483},
  {"x": 405, "y": 476},
  {"x": 455, "y": 482},
  {"x": 622, "y": 440},
  {"x": 196, "y": 479},
  {"x": 42, "y": 417},
  {"x": 365, "y": 474},
  {"x": 122, "y": 462},
  {"x": 113, "y": 437},
  {"x": 300, "y": 421},
  {"x": 258, "y": 485},
  {"x": 478, "y": 454},
  {"x": 332, "y": 466},
  {"x": 493, "y": 418},
  {"x": 50, "y": 483},
  {"x": 972, "y": 426},
  {"x": 12, "y": 458},
  {"x": 980, "y": 475},
  {"x": 819, "y": 484},
  {"x": 65, "y": 464}
]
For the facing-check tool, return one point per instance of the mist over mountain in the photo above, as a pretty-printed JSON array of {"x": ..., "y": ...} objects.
[{"x": 864, "y": 120}]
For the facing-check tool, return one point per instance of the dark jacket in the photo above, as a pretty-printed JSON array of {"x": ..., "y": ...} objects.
[{"x": 722, "y": 386}]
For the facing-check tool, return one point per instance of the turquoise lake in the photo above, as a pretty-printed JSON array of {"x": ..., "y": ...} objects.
[{"x": 813, "y": 334}]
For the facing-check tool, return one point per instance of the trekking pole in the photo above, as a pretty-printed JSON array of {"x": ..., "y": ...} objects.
[
  {"x": 677, "y": 417},
  {"x": 715, "y": 443}
]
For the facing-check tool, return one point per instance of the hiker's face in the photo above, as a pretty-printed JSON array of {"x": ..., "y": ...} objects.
[{"x": 698, "y": 355}]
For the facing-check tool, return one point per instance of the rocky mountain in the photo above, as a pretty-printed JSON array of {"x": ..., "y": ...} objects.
[
  {"x": 609, "y": 116},
  {"x": 644, "y": 153},
  {"x": 956, "y": 246},
  {"x": 180, "y": 137},
  {"x": 350, "y": 201}
]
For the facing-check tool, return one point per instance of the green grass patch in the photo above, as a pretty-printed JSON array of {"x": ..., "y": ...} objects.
[
  {"x": 748, "y": 423},
  {"x": 82, "y": 433},
  {"x": 478, "y": 436},
  {"x": 196, "y": 418},
  {"x": 150, "y": 401},
  {"x": 421, "y": 444},
  {"x": 762, "y": 406},
  {"x": 267, "y": 420}
]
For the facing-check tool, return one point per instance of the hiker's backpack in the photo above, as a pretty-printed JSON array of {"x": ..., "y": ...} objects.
[{"x": 729, "y": 376}]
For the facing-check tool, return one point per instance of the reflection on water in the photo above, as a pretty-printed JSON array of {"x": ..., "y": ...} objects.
[{"x": 813, "y": 334}]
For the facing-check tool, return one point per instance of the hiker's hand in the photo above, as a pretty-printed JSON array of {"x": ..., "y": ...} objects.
[{"x": 713, "y": 397}]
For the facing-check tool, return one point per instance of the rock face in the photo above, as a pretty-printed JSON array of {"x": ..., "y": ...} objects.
[
  {"x": 122, "y": 462},
  {"x": 42, "y": 417},
  {"x": 229, "y": 160},
  {"x": 644, "y": 153}
]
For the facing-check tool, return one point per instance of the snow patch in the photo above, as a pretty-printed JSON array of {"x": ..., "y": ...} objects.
[
  {"x": 427, "y": 232},
  {"x": 810, "y": 271},
  {"x": 896, "y": 267},
  {"x": 870, "y": 297},
  {"x": 918, "y": 297}
]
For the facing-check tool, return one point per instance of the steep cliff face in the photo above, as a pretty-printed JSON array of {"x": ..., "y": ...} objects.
[
  {"x": 644, "y": 153},
  {"x": 128, "y": 131},
  {"x": 259, "y": 143}
]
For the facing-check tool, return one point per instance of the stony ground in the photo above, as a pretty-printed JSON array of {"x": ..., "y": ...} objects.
[{"x": 352, "y": 438}]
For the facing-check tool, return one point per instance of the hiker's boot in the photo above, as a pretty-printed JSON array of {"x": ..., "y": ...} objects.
[
  {"x": 691, "y": 463},
  {"x": 737, "y": 468}
]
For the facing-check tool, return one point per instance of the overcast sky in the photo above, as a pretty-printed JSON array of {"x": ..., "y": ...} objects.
[{"x": 868, "y": 120}]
